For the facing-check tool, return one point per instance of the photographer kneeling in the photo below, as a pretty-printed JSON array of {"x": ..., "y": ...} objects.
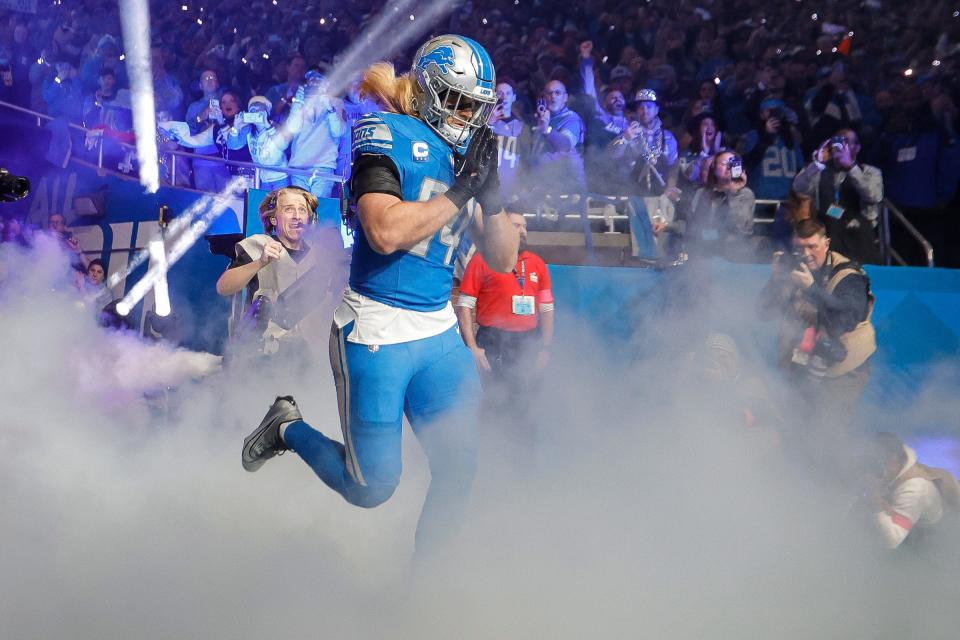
[{"x": 826, "y": 337}]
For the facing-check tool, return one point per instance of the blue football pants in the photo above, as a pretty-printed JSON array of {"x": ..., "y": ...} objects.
[{"x": 433, "y": 382}]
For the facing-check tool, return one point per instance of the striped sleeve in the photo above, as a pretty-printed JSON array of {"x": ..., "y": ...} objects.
[
  {"x": 906, "y": 507},
  {"x": 371, "y": 135}
]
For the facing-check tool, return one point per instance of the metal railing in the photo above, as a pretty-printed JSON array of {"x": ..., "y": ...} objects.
[
  {"x": 888, "y": 212},
  {"x": 290, "y": 171}
]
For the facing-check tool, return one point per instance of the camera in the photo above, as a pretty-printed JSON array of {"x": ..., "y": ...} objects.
[
  {"x": 258, "y": 315},
  {"x": 541, "y": 104},
  {"x": 838, "y": 141},
  {"x": 791, "y": 260},
  {"x": 829, "y": 350},
  {"x": 13, "y": 187}
]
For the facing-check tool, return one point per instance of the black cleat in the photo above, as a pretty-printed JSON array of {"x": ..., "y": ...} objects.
[{"x": 265, "y": 441}]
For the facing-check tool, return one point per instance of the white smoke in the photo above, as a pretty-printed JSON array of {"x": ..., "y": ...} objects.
[{"x": 642, "y": 512}]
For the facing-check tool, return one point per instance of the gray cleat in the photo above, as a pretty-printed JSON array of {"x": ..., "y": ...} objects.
[{"x": 265, "y": 441}]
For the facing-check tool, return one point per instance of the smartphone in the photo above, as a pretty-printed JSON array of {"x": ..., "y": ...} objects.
[
  {"x": 736, "y": 167},
  {"x": 214, "y": 104},
  {"x": 254, "y": 117}
]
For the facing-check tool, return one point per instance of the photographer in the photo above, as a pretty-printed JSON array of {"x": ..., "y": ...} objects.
[
  {"x": 268, "y": 264},
  {"x": 846, "y": 196},
  {"x": 905, "y": 497},
  {"x": 557, "y": 142},
  {"x": 772, "y": 152},
  {"x": 720, "y": 219},
  {"x": 826, "y": 337}
]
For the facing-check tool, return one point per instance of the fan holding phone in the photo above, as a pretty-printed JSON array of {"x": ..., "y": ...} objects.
[
  {"x": 558, "y": 142},
  {"x": 846, "y": 195}
]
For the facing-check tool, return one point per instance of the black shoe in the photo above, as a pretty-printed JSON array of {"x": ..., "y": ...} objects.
[{"x": 265, "y": 441}]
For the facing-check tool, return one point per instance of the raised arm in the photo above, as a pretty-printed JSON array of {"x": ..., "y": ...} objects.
[{"x": 193, "y": 141}]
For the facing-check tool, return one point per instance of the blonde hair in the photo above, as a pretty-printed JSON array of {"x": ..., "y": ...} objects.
[
  {"x": 268, "y": 207},
  {"x": 398, "y": 94}
]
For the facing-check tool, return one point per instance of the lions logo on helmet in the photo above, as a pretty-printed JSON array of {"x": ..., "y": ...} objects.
[
  {"x": 441, "y": 56},
  {"x": 456, "y": 79}
]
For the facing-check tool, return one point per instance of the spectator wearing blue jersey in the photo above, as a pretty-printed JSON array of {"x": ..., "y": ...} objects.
[
  {"x": 513, "y": 139},
  {"x": 772, "y": 153},
  {"x": 394, "y": 345}
]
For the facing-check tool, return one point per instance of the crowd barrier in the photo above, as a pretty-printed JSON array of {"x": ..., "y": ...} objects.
[
  {"x": 627, "y": 313},
  {"x": 591, "y": 212},
  {"x": 917, "y": 312}
]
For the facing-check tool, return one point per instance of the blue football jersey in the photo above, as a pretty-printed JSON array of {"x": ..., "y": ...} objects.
[{"x": 421, "y": 277}]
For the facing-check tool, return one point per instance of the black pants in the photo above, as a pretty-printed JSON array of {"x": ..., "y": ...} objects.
[
  {"x": 509, "y": 390},
  {"x": 509, "y": 352}
]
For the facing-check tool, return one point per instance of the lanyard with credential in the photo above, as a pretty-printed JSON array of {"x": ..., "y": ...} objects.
[
  {"x": 523, "y": 274},
  {"x": 836, "y": 188}
]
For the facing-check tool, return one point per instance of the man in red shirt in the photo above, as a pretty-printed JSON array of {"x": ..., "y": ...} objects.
[{"x": 510, "y": 308}]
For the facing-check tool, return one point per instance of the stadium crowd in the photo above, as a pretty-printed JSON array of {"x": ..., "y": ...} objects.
[
  {"x": 694, "y": 112},
  {"x": 757, "y": 85}
]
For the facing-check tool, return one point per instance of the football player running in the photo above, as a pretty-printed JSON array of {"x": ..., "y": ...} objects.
[{"x": 420, "y": 168}]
